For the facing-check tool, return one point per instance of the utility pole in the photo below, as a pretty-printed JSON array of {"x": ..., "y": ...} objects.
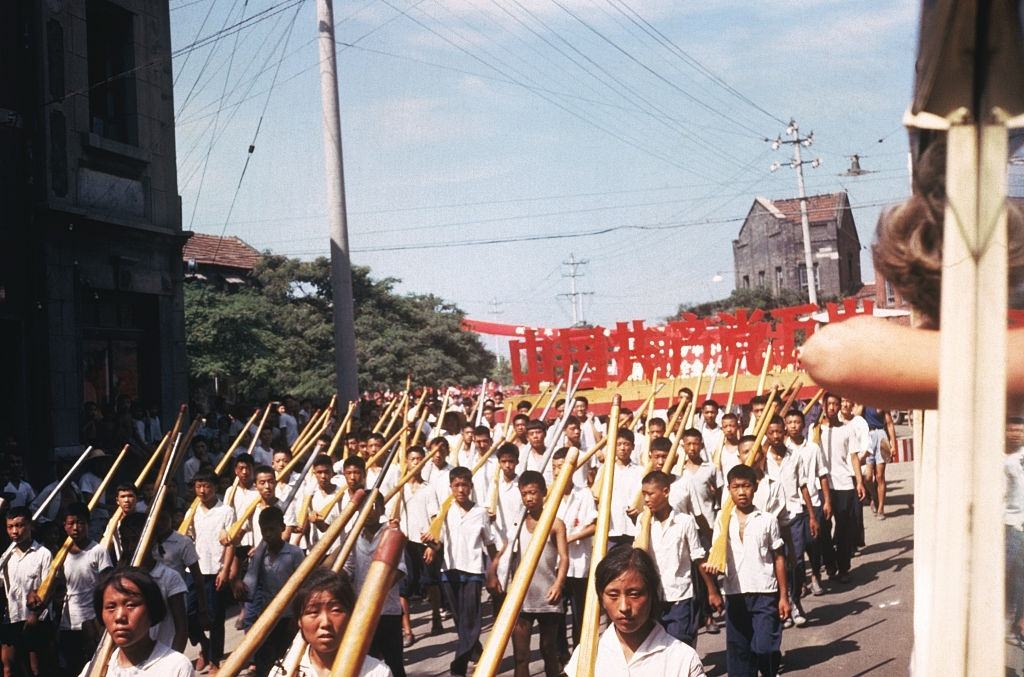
[
  {"x": 494, "y": 312},
  {"x": 574, "y": 295},
  {"x": 341, "y": 266},
  {"x": 797, "y": 163}
]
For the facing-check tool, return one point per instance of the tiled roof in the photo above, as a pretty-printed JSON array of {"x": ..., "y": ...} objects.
[
  {"x": 229, "y": 252},
  {"x": 867, "y": 291},
  {"x": 819, "y": 207}
]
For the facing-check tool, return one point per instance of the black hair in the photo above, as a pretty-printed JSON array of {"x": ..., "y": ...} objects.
[
  {"x": 459, "y": 473},
  {"x": 128, "y": 487},
  {"x": 271, "y": 515},
  {"x": 579, "y": 399},
  {"x": 623, "y": 559},
  {"x": 264, "y": 470},
  {"x": 572, "y": 420},
  {"x": 776, "y": 420},
  {"x": 742, "y": 472},
  {"x": 657, "y": 477},
  {"x": 76, "y": 509},
  {"x": 731, "y": 417},
  {"x": 244, "y": 457},
  {"x": 19, "y": 511},
  {"x": 1015, "y": 420},
  {"x": 661, "y": 444},
  {"x": 352, "y": 462},
  {"x": 324, "y": 459},
  {"x": 524, "y": 404},
  {"x": 627, "y": 434},
  {"x": 533, "y": 477},
  {"x": 376, "y": 436},
  {"x": 282, "y": 450},
  {"x": 799, "y": 414},
  {"x": 482, "y": 430},
  {"x": 713, "y": 403},
  {"x": 507, "y": 449},
  {"x": 536, "y": 425},
  {"x": 656, "y": 420},
  {"x": 202, "y": 475},
  {"x": 439, "y": 442},
  {"x": 337, "y": 584},
  {"x": 758, "y": 399},
  {"x": 693, "y": 432},
  {"x": 156, "y": 608},
  {"x": 748, "y": 438},
  {"x": 560, "y": 453},
  {"x": 417, "y": 449}
]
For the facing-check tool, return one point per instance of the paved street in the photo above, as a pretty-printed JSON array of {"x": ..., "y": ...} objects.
[{"x": 863, "y": 628}]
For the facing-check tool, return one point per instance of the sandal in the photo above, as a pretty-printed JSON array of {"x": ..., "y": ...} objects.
[{"x": 408, "y": 639}]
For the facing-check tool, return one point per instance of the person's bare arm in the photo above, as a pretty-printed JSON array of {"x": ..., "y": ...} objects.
[
  {"x": 780, "y": 578},
  {"x": 585, "y": 532},
  {"x": 176, "y": 608},
  {"x": 558, "y": 531},
  {"x": 890, "y": 431}
]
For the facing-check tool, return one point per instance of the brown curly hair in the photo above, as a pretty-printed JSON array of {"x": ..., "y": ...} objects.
[{"x": 908, "y": 241}]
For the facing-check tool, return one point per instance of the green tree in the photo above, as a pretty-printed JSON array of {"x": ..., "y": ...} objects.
[
  {"x": 757, "y": 298},
  {"x": 277, "y": 336}
]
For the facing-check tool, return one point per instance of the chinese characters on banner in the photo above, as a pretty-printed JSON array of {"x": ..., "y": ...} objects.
[{"x": 682, "y": 347}]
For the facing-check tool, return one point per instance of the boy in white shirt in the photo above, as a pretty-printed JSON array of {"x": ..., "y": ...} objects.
[
  {"x": 698, "y": 489},
  {"x": 532, "y": 458},
  {"x": 26, "y": 638},
  {"x": 729, "y": 456},
  {"x": 578, "y": 511},
  {"x": 508, "y": 505},
  {"x": 209, "y": 529},
  {"x": 79, "y": 628},
  {"x": 677, "y": 551},
  {"x": 322, "y": 506},
  {"x": 841, "y": 445},
  {"x": 420, "y": 505},
  {"x": 467, "y": 538},
  {"x": 815, "y": 470},
  {"x": 625, "y": 486},
  {"x": 17, "y": 491},
  {"x": 755, "y": 586},
  {"x": 710, "y": 429},
  {"x": 387, "y": 642}
]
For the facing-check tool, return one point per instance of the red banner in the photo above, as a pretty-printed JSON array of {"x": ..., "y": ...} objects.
[{"x": 682, "y": 347}]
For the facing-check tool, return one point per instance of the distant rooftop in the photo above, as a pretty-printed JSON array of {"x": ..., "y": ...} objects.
[
  {"x": 819, "y": 207},
  {"x": 227, "y": 252}
]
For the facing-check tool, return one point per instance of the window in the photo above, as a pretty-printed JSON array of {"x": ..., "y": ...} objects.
[
  {"x": 780, "y": 280},
  {"x": 760, "y": 278},
  {"x": 890, "y": 294},
  {"x": 111, "y": 58},
  {"x": 802, "y": 273},
  {"x": 746, "y": 282}
]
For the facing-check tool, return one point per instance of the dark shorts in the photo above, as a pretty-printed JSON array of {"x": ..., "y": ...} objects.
[
  {"x": 419, "y": 575},
  {"x": 28, "y": 638}
]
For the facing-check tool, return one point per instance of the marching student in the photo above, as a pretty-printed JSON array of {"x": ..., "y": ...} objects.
[
  {"x": 678, "y": 552},
  {"x": 543, "y": 601},
  {"x": 179, "y": 553},
  {"x": 698, "y": 489},
  {"x": 266, "y": 485},
  {"x": 387, "y": 642},
  {"x": 660, "y": 448},
  {"x": 578, "y": 511},
  {"x": 79, "y": 628},
  {"x": 209, "y": 529},
  {"x": 784, "y": 465},
  {"x": 508, "y": 505},
  {"x": 592, "y": 428},
  {"x": 199, "y": 458},
  {"x": 420, "y": 504},
  {"x": 625, "y": 486},
  {"x": 127, "y": 497},
  {"x": 484, "y": 477},
  {"x": 532, "y": 458},
  {"x": 860, "y": 439},
  {"x": 436, "y": 472},
  {"x": 465, "y": 454},
  {"x": 519, "y": 423},
  {"x": 755, "y": 586},
  {"x": 729, "y": 456},
  {"x": 634, "y": 643},
  {"x": 281, "y": 458},
  {"x": 273, "y": 561},
  {"x": 17, "y": 491},
  {"x": 173, "y": 629},
  {"x": 814, "y": 468},
  {"x": 882, "y": 435},
  {"x": 131, "y": 605},
  {"x": 840, "y": 443},
  {"x": 26, "y": 636},
  {"x": 709, "y": 427},
  {"x": 238, "y": 497},
  {"x": 466, "y": 536},
  {"x": 322, "y": 608},
  {"x": 319, "y": 515}
]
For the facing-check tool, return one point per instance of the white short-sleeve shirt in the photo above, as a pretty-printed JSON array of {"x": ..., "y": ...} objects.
[
  {"x": 22, "y": 493},
  {"x": 207, "y": 526},
  {"x": 660, "y": 654},
  {"x": 162, "y": 662},
  {"x": 839, "y": 443},
  {"x": 625, "y": 487},
  {"x": 170, "y": 584},
  {"x": 508, "y": 509},
  {"x": 358, "y": 566},
  {"x": 788, "y": 473},
  {"x": 81, "y": 571},
  {"x": 420, "y": 506},
  {"x": 812, "y": 466},
  {"x": 578, "y": 510},
  {"x": 675, "y": 544},
  {"x": 750, "y": 561},
  {"x": 466, "y": 535},
  {"x": 24, "y": 572}
]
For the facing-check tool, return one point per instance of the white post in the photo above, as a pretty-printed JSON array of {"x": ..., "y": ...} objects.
[
  {"x": 805, "y": 225},
  {"x": 341, "y": 267}
]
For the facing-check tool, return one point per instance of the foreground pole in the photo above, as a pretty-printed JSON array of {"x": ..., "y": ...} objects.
[{"x": 341, "y": 266}]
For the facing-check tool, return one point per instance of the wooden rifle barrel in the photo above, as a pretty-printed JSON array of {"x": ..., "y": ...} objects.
[
  {"x": 383, "y": 415},
  {"x": 794, "y": 389},
  {"x": 717, "y": 557},
  {"x": 238, "y": 660},
  {"x": 814, "y": 400},
  {"x": 437, "y": 523},
  {"x": 732, "y": 387},
  {"x": 591, "y": 624},
  {"x": 379, "y": 579},
  {"x": 342, "y": 428},
  {"x": 422, "y": 411},
  {"x": 395, "y": 414},
  {"x": 497, "y": 640},
  {"x": 62, "y": 554},
  {"x": 256, "y": 433},
  {"x": 764, "y": 368},
  {"x": 696, "y": 399},
  {"x": 673, "y": 452}
]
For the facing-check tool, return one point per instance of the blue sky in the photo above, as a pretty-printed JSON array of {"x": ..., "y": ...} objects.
[{"x": 469, "y": 120}]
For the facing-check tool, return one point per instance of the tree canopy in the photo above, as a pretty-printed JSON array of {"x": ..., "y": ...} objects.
[
  {"x": 757, "y": 298},
  {"x": 277, "y": 335}
]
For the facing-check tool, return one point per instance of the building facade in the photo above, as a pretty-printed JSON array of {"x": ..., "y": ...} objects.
[
  {"x": 90, "y": 219},
  {"x": 769, "y": 250}
]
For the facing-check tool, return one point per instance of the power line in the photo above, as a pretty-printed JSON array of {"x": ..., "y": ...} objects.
[{"x": 575, "y": 296}]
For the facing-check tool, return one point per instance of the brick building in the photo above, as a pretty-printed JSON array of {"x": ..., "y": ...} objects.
[
  {"x": 90, "y": 218},
  {"x": 769, "y": 250},
  {"x": 220, "y": 261}
]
